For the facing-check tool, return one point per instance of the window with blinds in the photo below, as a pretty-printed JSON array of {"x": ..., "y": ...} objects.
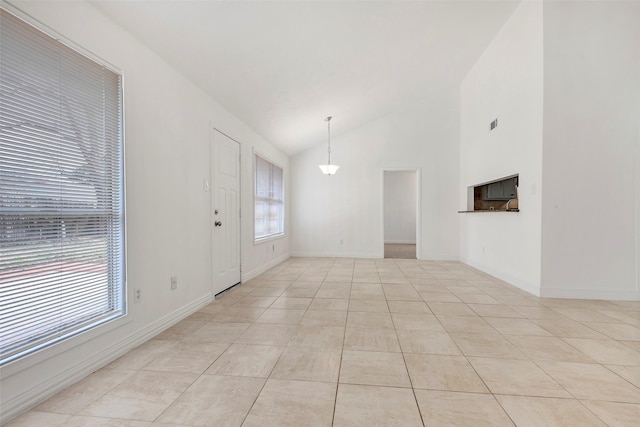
[
  {"x": 61, "y": 191},
  {"x": 269, "y": 199}
]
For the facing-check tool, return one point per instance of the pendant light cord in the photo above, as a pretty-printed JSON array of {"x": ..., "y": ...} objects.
[{"x": 328, "y": 120}]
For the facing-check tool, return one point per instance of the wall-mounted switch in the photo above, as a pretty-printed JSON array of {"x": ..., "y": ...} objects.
[
  {"x": 205, "y": 185},
  {"x": 137, "y": 295},
  {"x": 174, "y": 282},
  {"x": 494, "y": 124}
]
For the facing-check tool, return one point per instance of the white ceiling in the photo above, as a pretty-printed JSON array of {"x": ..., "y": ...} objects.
[{"x": 282, "y": 67}]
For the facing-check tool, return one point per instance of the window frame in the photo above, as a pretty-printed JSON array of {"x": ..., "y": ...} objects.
[
  {"x": 275, "y": 236},
  {"x": 82, "y": 332}
]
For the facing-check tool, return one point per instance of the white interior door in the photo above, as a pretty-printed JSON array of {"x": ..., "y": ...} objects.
[{"x": 226, "y": 212}]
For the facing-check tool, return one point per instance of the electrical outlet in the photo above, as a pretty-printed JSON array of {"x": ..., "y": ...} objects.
[
  {"x": 137, "y": 295},
  {"x": 174, "y": 282},
  {"x": 273, "y": 248}
]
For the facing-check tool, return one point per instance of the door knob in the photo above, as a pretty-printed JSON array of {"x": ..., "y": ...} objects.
[{"x": 217, "y": 223}]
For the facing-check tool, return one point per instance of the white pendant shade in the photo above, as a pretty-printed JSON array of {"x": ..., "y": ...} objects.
[{"x": 329, "y": 169}]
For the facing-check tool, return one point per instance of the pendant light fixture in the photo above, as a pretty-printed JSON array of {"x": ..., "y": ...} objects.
[{"x": 329, "y": 169}]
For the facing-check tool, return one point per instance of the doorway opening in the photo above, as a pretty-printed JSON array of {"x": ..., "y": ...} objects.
[{"x": 401, "y": 213}]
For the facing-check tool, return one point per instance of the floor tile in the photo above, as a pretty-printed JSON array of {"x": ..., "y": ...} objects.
[
  {"x": 629, "y": 373},
  {"x": 267, "y": 334},
  {"x": 493, "y": 310},
  {"x": 218, "y": 332},
  {"x": 281, "y": 317},
  {"x": 287, "y": 303},
  {"x": 187, "y": 357},
  {"x": 408, "y": 307},
  {"x": 374, "y": 368},
  {"x": 517, "y": 377},
  {"x": 308, "y": 364},
  {"x": 85, "y": 421},
  {"x": 548, "y": 348},
  {"x": 329, "y": 304},
  {"x": 367, "y": 291},
  {"x": 324, "y": 318},
  {"x": 431, "y": 342},
  {"x": 142, "y": 355},
  {"x": 444, "y": 409},
  {"x": 299, "y": 293},
  {"x": 357, "y": 319},
  {"x": 359, "y": 405},
  {"x": 584, "y": 315},
  {"x": 180, "y": 330},
  {"x": 125, "y": 407},
  {"x": 239, "y": 314},
  {"x": 592, "y": 382},
  {"x": 368, "y": 305},
  {"x": 617, "y": 331},
  {"x": 451, "y": 308},
  {"x": 416, "y": 321},
  {"x": 255, "y": 302},
  {"x": 325, "y": 292},
  {"x": 543, "y": 411},
  {"x": 78, "y": 396},
  {"x": 434, "y": 372},
  {"x": 268, "y": 291},
  {"x": 371, "y": 339},
  {"x": 246, "y": 360},
  {"x": 293, "y": 403},
  {"x": 467, "y": 324},
  {"x": 401, "y": 293},
  {"x": 143, "y": 396},
  {"x": 606, "y": 351},
  {"x": 214, "y": 400},
  {"x": 375, "y": 335},
  {"x": 507, "y": 326},
  {"x": 328, "y": 337},
  {"x": 444, "y": 296},
  {"x": 477, "y": 299},
  {"x": 40, "y": 419},
  {"x": 538, "y": 312},
  {"x": 615, "y": 414},
  {"x": 568, "y": 328}
]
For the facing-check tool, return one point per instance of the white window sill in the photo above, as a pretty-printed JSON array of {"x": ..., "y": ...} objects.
[{"x": 268, "y": 239}]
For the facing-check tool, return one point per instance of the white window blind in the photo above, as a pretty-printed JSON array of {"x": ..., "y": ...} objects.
[
  {"x": 269, "y": 199},
  {"x": 61, "y": 191}
]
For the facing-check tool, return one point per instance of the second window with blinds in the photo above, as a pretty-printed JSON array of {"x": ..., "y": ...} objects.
[{"x": 269, "y": 199}]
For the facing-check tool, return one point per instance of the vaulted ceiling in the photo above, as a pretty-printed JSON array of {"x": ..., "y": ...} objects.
[{"x": 283, "y": 66}]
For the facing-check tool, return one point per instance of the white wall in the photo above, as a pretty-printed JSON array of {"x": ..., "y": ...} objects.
[
  {"x": 505, "y": 83},
  {"x": 400, "y": 207},
  {"x": 167, "y": 132},
  {"x": 590, "y": 164},
  {"x": 342, "y": 215}
]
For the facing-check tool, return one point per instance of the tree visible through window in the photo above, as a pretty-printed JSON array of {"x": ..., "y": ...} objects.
[
  {"x": 269, "y": 199},
  {"x": 61, "y": 191}
]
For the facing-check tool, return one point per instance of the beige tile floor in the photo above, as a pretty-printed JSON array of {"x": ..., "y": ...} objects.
[{"x": 348, "y": 342}]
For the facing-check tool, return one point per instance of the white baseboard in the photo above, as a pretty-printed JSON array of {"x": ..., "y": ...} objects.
[
  {"x": 258, "y": 271},
  {"x": 335, "y": 255},
  {"x": 591, "y": 294},
  {"x": 35, "y": 395},
  {"x": 518, "y": 282},
  {"x": 438, "y": 257}
]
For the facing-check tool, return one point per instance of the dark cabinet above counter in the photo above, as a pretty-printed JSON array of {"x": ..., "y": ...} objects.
[
  {"x": 500, "y": 195},
  {"x": 501, "y": 190}
]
